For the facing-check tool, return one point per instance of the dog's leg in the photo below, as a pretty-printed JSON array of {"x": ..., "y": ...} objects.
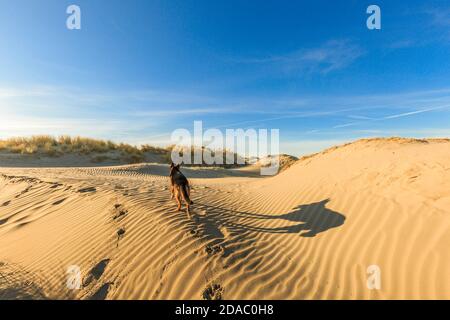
[
  {"x": 177, "y": 197},
  {"x": 188, "y": 209},
  {"x": 185, "y": 195},
  {"x": 188, "y": 202},
  {"x": 189, "y": 194}
]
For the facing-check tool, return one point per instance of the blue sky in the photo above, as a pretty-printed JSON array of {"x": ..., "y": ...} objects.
[{"x": 137, "y": 70}]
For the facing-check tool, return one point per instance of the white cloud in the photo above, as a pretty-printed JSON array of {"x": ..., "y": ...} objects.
[
  {"x": 411, "y": 113},
  {"x": 149, "y": 116},
  {"x": 330, "y": 56},
  {"x": 26, "y": 126}
]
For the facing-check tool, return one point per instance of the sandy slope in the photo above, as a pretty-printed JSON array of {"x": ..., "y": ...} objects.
[{"x": 308, "y": 233}]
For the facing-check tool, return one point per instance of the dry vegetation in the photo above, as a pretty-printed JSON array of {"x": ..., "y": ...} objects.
[
  {"x": 101, "y": 151},
  {"x": 238, "y": 161},
  {"x": 55, "y": 147}
]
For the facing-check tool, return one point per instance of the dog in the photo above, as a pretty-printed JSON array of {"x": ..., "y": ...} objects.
[{"x": 179, "y": 187}]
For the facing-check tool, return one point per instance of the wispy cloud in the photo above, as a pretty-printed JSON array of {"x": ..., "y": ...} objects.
[
  {"x": 25, "y": 126},
  {"x": 180, "y": 112},
  {"x": 402, "y": 44},
  {"x": 345, "y": 125},
  {"x": 330, "y": 56},
  {"x": 440, "y": 23},
  {"x": 440, "y": 16},
  {"x": 151, "y": 115},
  {"x": 390, "y": 117},
  {"x": 411, "y": 113},
  {"x": 358, "y": 117}
]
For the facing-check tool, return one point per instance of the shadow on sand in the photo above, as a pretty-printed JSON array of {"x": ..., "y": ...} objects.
[
  {"x": 313, "y": 218},
  {"x": 17, "y": 284}
]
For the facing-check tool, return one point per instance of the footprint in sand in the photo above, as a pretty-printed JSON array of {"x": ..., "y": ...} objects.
[
  {"x": 87, "y": 190},
  {"x": 210, "y": 250},
  {"x": 213, "y": 292},
  {"x": 6, "y": 203},
  {"x": 119, "y": 211},
  {"x": 96, "y": 272},
  {"x": 58, "y": 202},
  {"x": 94, "y": 275},
  {"x": 102, "y": 292},
  {"x": 120, "y": 234},
  {"x": 23, "y": 192},
  {"x": 195, "y": 233}
]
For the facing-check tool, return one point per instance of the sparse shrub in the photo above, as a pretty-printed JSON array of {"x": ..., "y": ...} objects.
[
  {"x": 31, "y": 149},
  {"x": 135, "y": 158},
  {"x": 111, "y": 145},
  {"x": 100, "y": 159},
  {"x": 152, "y": 149}
]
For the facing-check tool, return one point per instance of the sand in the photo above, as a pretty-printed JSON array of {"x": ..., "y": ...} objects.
[{"x": 310, "y": 232}]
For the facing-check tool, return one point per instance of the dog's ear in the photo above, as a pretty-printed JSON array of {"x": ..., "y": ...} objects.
[
  {"x": 177, "y": 166},
  {"x": 171, "y": 165}
]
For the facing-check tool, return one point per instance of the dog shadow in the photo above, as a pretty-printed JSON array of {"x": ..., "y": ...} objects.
[{"x": 311, "y": 219}]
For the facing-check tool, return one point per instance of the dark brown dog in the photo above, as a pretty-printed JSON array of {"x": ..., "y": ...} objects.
[{"x": 179, "y": 187}]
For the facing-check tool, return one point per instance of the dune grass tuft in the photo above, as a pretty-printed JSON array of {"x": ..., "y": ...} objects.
[{"x": 51, "y": 146}]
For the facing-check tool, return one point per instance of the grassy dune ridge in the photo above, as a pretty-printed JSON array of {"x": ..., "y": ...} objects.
[
  {"x": 43, "y": 144},
  {"x": 101, "y": 151}
]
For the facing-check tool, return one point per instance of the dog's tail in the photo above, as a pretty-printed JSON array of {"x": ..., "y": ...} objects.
[{"x": 185, "y": 193}]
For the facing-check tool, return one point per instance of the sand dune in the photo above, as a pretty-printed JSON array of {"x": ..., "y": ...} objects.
[{"x": 308, "y": 233}]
